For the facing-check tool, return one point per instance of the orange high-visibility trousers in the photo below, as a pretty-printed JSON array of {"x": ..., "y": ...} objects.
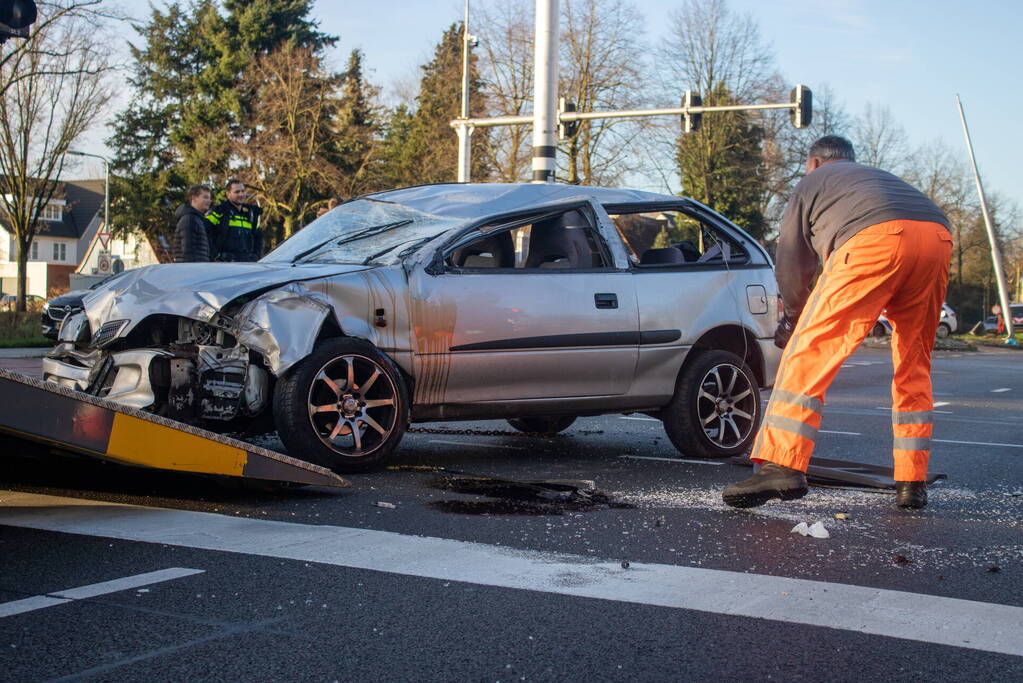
[{"x": 897, "y": 266}]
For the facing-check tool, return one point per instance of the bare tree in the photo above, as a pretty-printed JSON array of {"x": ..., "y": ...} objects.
[
  {"x": 602, "y": 53},
  {"x": 879, "y": 139},
  {"x": 721, "y": 55},
  {"x": 601, "y": 68},
  {"x": 288, "y": 159},
  {"x": 20, "y": 59},
  {"x": 506, "y": 65},
  {"x": 53, "y": 91},
  {"x": 711, "y": 47}
]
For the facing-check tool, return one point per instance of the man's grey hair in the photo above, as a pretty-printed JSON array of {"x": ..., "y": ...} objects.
[{"x": 831, "y": 148}]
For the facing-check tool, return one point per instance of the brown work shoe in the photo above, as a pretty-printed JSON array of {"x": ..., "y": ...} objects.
[
  {"x": 911, "y": 494},
  {"x": 771, "y": 481}
]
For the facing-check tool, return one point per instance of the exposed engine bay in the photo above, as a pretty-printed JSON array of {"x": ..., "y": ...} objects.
[{"x": 184, "y": 369}]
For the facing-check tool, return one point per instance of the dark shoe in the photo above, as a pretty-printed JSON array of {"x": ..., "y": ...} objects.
[
  {"x": 772, "y": 481},
  {"x": 911, "y": 494}
]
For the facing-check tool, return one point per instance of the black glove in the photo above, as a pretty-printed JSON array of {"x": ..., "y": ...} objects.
[{"x": 784, "y": 332}]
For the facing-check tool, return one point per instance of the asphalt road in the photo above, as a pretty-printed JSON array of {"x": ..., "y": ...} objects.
[{"x": 654, "y": 580}]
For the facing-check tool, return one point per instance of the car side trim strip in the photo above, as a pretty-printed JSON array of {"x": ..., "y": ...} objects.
[{"x": 556, "y": 341}]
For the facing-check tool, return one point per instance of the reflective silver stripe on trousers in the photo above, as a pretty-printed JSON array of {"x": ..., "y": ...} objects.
[
  {"x": 789, "y": 425},
  {"x": 918, "y": 443},
  {"x": 911, "y": 417},
  {"x": 801, "y": 400}
]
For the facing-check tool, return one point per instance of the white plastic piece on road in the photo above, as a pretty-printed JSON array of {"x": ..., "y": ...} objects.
[
  {"x": 817, "y": 530},
  {"x": 382, "y": 504}
]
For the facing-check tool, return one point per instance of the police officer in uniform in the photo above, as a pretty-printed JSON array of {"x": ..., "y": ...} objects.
[{"x": 235, "y": 233}]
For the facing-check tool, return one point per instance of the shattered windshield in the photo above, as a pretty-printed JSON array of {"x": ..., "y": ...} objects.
[{"x": 359, "y": 232}]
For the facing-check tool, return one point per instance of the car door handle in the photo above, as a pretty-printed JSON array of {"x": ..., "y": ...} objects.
[{"x": 606, "y": 300}]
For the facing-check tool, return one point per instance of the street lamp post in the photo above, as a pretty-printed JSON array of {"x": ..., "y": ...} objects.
[{"x": 106, "y": 184}]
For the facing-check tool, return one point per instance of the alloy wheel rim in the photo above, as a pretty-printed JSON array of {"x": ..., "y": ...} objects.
[
  {"x": 726, "y": 405},
  {"x": 353, "y": 405}
]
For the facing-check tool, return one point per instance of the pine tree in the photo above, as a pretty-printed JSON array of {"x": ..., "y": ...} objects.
[
  {"x": 429, "y": 152},
  {"x": 192, "y": 101},
  {"x": 172, "y": 134},
  {"x": 356, "y": 138}
]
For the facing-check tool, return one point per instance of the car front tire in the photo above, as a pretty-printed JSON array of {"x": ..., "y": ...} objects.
[
  {"x": 943, "y": 330},
  {"x": 344, "y": 406},
  {"x": 542, "y": 425},
  {"x": 716, "y": 410}
]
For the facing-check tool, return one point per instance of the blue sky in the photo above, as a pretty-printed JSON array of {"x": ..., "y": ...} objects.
[{"x": 911, "y": 55}]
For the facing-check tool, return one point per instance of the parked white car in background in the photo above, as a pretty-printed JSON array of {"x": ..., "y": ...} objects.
[{"x": 947, "y": 324}]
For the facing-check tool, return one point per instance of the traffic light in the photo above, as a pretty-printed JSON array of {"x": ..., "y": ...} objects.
[
  {"x": 15, "y": 18},
  {"x": 691, "y": 121},
  {"x": 802, "y": 114},
  {"x": 567, "y": 129}
]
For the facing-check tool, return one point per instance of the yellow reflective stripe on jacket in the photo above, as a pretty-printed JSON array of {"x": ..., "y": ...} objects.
[
  {"x": 213, "y": 217},
  {"x": 239, "y": 222}
]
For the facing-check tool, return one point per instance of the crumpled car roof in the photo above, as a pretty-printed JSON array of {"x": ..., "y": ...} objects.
[{"x": 471, "y": 200}]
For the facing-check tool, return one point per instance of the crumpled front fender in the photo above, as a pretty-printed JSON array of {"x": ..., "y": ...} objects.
[{"x": 282, "y": 325}]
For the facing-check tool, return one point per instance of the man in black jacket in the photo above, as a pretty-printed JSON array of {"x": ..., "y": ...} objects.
[
  {"x": 236, "y": 233},
  {"x": 191, "y": 243}
]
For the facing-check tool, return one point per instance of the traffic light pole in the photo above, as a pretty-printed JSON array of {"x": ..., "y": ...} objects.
[{"x": 547, "y": 118}]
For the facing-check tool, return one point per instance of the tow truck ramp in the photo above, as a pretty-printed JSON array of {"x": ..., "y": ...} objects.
[{"x": 48, "y": 413}]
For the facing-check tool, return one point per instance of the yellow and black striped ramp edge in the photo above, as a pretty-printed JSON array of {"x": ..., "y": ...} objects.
[{"x": 49, "y": 413}]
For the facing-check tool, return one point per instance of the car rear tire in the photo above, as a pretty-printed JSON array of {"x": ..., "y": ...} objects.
[
  {"x": 879, "y": 331},
  {"x": 943, "y": 330},
  {"x": 344, "y": 406},
  {"x": 544, "y": 424},
  {"x": 716, "y": 409}
]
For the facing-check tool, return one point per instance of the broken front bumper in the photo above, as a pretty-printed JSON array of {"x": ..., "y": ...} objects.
[{"x": 128, "y": 374}]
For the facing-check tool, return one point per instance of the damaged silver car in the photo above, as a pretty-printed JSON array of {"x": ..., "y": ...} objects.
[{"x": 533, "y": 303}]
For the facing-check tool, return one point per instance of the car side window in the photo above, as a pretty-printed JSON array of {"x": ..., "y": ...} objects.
[
  {"x": 562, "y": 241},
  {"x": 672, "y": 238}
]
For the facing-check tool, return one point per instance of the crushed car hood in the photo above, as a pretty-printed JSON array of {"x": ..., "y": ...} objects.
[{"x": 193, "y": 290}]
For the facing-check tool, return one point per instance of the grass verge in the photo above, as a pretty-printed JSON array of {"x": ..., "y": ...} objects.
[{"x": 21, "y": 330}]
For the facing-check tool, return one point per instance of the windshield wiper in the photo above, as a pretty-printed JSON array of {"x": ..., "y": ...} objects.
[
  {"x": 367, "y": 232},
  {"x": 370, "y": 259},
  {"x": 311, "y": 250}
]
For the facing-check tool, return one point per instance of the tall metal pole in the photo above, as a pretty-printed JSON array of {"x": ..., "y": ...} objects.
[
  {"x": 996, "y": 256},
  {"x": 545, "y": 91},
  {"x": 463, "y": 129}
]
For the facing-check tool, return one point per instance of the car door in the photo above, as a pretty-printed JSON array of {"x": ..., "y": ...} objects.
[
  {"x": 546, "y": 320},
  {"x": 693, "y": 273}
]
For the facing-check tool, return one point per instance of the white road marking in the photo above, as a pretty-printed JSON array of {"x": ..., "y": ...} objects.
[
  {"x": 999, "y": 391},
  {"x": 650, "y": 457},
  {"x": 644, "y": 419},
  {"x": 980, "y": 443},
  {"x": 940, "y": 404},
  {"x": 933, "y": 619},
  {"x": 8, "y": 609},
  {"x": 829, "y": 431},
  {"x": 473, "y": 444}
]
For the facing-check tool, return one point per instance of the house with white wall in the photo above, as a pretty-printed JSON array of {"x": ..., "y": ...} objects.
[{"x": 68, "y": 240}]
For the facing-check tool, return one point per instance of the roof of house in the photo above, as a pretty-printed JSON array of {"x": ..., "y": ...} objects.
[{"x": 84, "y": 200}]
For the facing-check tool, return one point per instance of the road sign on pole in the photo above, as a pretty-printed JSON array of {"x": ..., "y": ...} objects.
[{"x": 104, "y": 239}]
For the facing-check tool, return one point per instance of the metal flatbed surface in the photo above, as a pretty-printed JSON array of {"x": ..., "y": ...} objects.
[{"x": 49, "y": 413}]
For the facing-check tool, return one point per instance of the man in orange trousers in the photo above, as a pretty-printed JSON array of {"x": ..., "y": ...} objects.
[{"x": 884, "y": 246}]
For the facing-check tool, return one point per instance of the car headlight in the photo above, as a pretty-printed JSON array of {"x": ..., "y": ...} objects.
[{"x": 46, "y": 308}]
